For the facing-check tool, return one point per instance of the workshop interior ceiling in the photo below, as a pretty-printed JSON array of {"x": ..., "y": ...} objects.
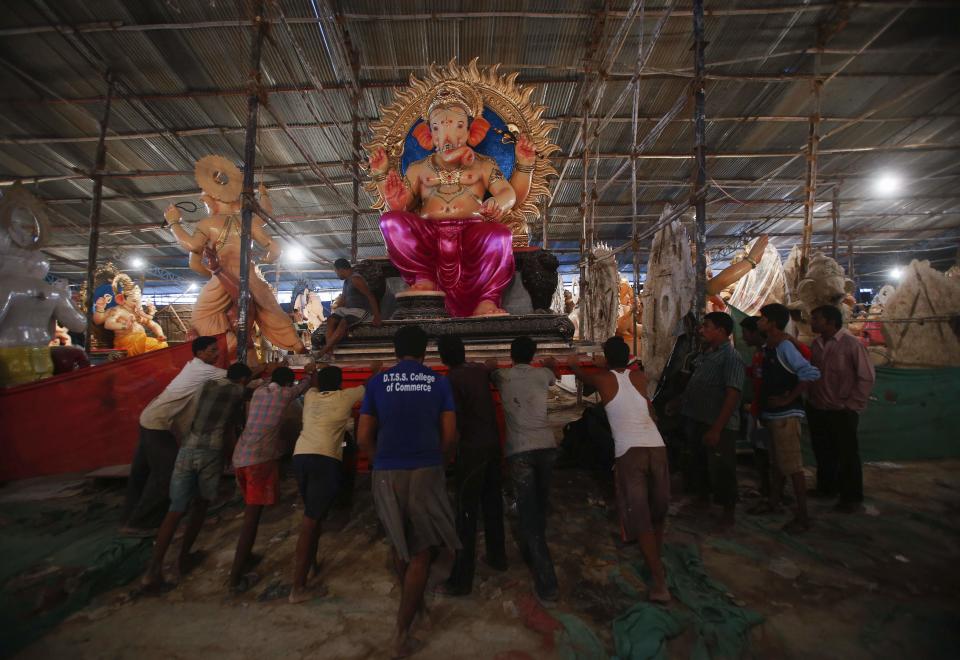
[{"x": 889, "y": 87}]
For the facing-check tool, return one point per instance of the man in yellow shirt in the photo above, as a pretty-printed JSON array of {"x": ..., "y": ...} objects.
[{"x": 317, "y": 465}]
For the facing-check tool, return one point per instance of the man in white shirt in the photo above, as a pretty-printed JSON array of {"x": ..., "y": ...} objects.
[{"x": 148, "y": 486}]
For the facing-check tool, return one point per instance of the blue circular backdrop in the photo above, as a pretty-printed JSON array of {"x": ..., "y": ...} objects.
[
  {"x": 103, "y": 290},
  {"x": 491, "y": 146}
]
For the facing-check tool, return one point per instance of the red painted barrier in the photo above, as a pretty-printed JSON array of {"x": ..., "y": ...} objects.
[
  {"x": 89, "y": 419},
  {"x": 86, "y": 419},
  {"x": 356, "y": 376}
]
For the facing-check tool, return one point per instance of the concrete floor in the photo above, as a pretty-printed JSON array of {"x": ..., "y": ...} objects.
[{"x": 878, "y": 584}]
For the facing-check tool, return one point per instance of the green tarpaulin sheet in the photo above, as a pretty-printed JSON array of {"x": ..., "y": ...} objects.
[
  {"x": 720, "y": 626},
  {"x": 910, "y": 412},
  {"x": 911, "y": 415}
]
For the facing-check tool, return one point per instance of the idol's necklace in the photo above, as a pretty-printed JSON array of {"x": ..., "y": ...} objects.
[{"x": 447, "y": 177}]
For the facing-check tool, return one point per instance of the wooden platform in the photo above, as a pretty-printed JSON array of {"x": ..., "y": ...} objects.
[
  {"x": 362, "y": 355},
  {"x": 484, "y": 338}
]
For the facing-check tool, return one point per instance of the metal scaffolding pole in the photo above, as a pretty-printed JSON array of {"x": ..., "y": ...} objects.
[
  {"x": 546, "y": 221},
  {"x": 851, "y": 272},
  {"x": 99, "y": 164},
  {"x": 700, "y": 180},
  {"x": 249, "y": 158}
]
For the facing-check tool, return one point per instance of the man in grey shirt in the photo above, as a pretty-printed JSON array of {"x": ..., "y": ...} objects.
[
  {"x": 357, "y": 305},
  {"x": 531, "y": 451}
]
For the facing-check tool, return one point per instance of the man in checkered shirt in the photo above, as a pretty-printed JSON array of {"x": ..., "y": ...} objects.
[{"x": 256, "y": 460}]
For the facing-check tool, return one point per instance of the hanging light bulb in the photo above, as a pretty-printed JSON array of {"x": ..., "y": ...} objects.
[
  {"x": 294, "y": 254},
  {"x": 887, "y": 184}
]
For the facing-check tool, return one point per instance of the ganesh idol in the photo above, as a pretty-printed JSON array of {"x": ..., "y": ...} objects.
[
  {"x": 129, "y": 319},
  {"x": 452, "y": 216}
]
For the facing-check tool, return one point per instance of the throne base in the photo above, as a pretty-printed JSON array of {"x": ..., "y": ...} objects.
[
  {"x": 411, "y": 304},
  {"x": 484, "y": 337}
]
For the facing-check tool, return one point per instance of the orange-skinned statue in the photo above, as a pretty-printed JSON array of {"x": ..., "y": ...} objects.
[{"x": 219, "y": 234}]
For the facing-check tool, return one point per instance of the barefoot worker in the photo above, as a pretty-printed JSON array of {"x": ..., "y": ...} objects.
[
  {"x": 407, "y": 424},
  {"x": 531, "y": 451},
  {"x": 256, "y": 460},
  {"x": 642, "y": 475},
  {"x": 357, "y": 305},
  {"x": 317, "y": 456},
  {"x": 199, "y": 466}
]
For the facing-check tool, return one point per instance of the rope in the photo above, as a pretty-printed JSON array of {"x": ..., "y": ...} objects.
[{"x": 920, "y": 319}]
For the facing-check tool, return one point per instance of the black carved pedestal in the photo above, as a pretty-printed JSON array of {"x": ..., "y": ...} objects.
[
  {"x": 537, "y": 269},
  {"x": 420, "y": 305},
  {"x": 540, "y": 327},
  {"x": 484, "y": 336},
  {"x": 538, "y": 272}
]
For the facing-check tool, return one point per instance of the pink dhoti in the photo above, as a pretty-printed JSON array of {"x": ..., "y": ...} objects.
[{"x": 471, "y": 260}]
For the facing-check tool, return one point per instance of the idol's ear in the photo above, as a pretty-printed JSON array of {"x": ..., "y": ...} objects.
[
  {"x": 478, "y": 130},
  {"x": 422, "y": 134}
]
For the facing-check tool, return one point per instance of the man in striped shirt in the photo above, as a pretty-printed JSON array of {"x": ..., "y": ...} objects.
[
  {"x": 256, "y": 460},
  {"x": 786, "y": 376}
]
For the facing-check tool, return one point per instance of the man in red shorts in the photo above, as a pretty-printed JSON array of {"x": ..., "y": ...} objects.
[{"x": 256, "y": 459}]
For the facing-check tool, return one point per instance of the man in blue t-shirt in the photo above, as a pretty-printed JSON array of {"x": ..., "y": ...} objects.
[{"x": 407, "y": 424}]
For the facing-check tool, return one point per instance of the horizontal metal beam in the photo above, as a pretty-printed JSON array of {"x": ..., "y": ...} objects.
[
  {"x": 649, "y": 14},
  {"x": 920, "y": 147},
  {"x": 300, "y": 88},
  {"x": 203, "y": 131},
  {"x": 658, "y": 200}
]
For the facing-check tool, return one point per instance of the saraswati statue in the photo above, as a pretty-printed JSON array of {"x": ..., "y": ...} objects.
[{"x": 458, "y": 163}]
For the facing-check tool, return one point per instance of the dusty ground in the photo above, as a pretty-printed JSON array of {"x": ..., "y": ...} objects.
[{"x": 879, "y": 584}]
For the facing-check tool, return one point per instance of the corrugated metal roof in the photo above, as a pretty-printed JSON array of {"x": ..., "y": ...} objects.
[{"x": 189, "y": 70}]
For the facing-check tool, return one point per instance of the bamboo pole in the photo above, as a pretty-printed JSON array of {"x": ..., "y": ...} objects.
[
  {"x": 835, "y": 218},
  {"x": 94, "y": 238},
  {"x": 810, "y": 186},
  {"x": 249, "y": 158},
  {"x": 700, "y": 178}
]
